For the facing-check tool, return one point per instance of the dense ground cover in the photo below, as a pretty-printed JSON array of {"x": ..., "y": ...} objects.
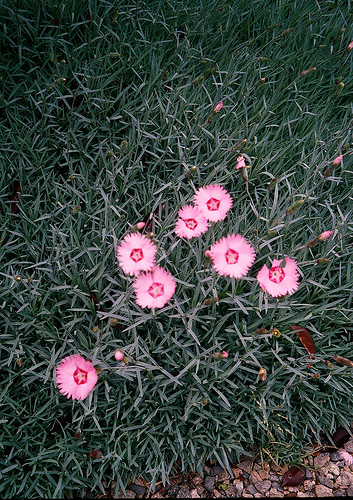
[{"x": 104, "y": 108}]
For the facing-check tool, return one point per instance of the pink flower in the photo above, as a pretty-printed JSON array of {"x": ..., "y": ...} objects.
[
  {"x": 240, "y": 162},
  {"x": 279, "y": 281},
  {"x": 136, "y": 253},
  {"x": 232, "y": 256},
  {"x": 213, "y": 201},
  {"x": 337, "y": 160},
  {"x": 155, "y": 288},
  {"x": 191, "y": 222},
  {"x": 76, "y": 377},
  {"x": 323, "y": 236},
  {"x": 218, "y": 108},
  {"x": 119, "y": 355}
]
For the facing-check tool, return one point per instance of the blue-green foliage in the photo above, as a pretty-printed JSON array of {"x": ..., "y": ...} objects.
[{"x": 80, "y": 78}]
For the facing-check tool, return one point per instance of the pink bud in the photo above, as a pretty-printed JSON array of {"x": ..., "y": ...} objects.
[
  {"x": 119, "y": 355},
  {"x": 220, "y": 355},
  {"x": 218, "y": 108},
  {"x": 323, "y": 236},
  {"x": 350, "y": 46},
  {"x": 337, "y": 160},
  {"x": 140, "y": 225},
  {"x": 207, "y": 254},
  {"x": 240, "y": 162}
]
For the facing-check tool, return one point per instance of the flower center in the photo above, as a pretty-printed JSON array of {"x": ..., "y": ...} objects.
[
  {"x": 276, "y": 274},
  {"x": 156, "y": 290},
  {"x": 190, "y": 223},
  {"x": 231, "y": 256},
  {"x": 213, "y": 204},
  {"x": 80, "y": 376},
  {"x": 136, "y": 254}
]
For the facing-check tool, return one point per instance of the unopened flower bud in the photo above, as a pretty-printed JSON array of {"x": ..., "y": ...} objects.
[
  {"x": 126, "y": 360},
  {"x": 339, "y": 89},
  {"x": 237, "y": 146},
  {"x": 276, "y": 333},
  {"x": 323, "y": 236},
  {"x": 240, "y": 162},
  {"x": 95, "y": 329},
  {"x": 119, "y": 355},
  {"x": 95, "y": 454},
  {"x": 197, "y": 80},
  {"x": 322, "y": 260},
  {"x": 138, "y": 226},
  {"x": 271, "y": 234},
  {"x": 220, "y": 355},
  {"x": 343, "y": 361},
  {"x": 262, "y": 374},
  {"x": 207, "y": 254},
  {"x": 76, "y": 210},
  {"x": 337, "y": 160},
  {"x": 112, "y": 322},
  {"x": 306, "y": 71},
  {"x": 17, "y": 277},
  {"x": 190, "y": 172},
  {"x": 294, "y": 207},
  {"x": 350, "y": 46},
  {"x": 114, "y": 55},
  {"x": 328, "y": 363},
  {"x": 123, "y": 146},
  {"x": 211, "y": 302},
  {"x": 261, "y": 331},
  {"x": 60, "y": 80},
  {"x": 272, "y": 184},
  {"x": 328, "y": 172},
  {"x": 218, "y": 108},
  {"x": 244, "y": 174},
  {"x": 19, "y": 362}
]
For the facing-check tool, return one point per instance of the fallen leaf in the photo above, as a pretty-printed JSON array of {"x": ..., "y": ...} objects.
[
  {"x": 294, "y": 476},
  {"x": 306, "y": 339},
  {"x": 339, "y": 438}
]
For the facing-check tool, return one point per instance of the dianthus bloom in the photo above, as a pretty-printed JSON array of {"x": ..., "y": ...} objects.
[
  {"x": 213, "y": 201},
  {"x": 240, "y": 162},
  {"x": 191, "y": 222},
  {"x": 155, "y": 288},
  {"x": 76, "y": 377},
  {"x": 279, "y": 281},
  {"x": 323, "y": 236},
  {"x": 232, "y": 256},
  {"x": 136, "y": 253}
]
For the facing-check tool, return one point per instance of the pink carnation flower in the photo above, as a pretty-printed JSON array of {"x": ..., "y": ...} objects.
[
  {"x": 232, "y": 256},
  {"x": 155, "y": 288},
  {"x": 240, "y": 162},
  {"x": 279, "y": 281},
  {"x": 76, "y": 377},
  {"x": 191, "y": 222},
  {"x": 213, "y": 201},
  {"x": 136, "y": 253}
]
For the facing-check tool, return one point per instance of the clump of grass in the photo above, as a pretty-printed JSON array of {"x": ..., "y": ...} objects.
[{"x": 104, "y": 110}]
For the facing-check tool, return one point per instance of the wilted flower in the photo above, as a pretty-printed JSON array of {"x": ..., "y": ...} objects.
[
  {"x": 232, "y": 256},
  {"x": 136, "y": 253},
  {"x": 337, "y": 160},
  {"x": 155, "y": 288},
  {"x": 279, "y": 281},
  {"x": 191, "y": 222},
  {"x": 213, "y": 201},
  {"x": 76, "y": 377}
]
